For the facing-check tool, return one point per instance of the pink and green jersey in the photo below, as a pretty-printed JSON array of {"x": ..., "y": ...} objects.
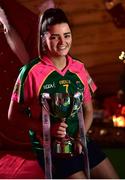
[{"x": 41, "y": 76}]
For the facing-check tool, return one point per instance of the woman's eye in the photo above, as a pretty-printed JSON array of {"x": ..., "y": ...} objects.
[
  {"x": 52, "y": 37},
  {"x": 67, "y": 36}
]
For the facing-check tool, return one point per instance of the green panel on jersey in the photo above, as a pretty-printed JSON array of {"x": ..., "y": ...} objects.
[
  {"x": 56, "y": 83},
  {"x": 23, "y": 74}
]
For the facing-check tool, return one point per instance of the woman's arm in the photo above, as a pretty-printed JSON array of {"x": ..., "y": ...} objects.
[{"x": 88, "y": 115}]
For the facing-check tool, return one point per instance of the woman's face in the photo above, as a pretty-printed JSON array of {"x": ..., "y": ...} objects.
[{"x": 58, "y": 40}]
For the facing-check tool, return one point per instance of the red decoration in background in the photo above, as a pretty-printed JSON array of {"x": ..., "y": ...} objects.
[{"x": 25, "y": 23}]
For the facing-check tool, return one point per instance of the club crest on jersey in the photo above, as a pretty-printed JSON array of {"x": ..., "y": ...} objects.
[{"x": 49, "y": 86}]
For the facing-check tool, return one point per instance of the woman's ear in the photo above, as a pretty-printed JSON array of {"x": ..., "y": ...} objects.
[
  {"x": 45, "y": 38},
  {"x": 43, "y": 43}
]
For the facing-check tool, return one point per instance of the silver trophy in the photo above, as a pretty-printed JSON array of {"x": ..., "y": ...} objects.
[{"x": 62, "y": 106}]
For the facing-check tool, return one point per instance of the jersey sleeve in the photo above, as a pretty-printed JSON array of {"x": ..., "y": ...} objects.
[
  {"x": 23, "y": 90},
  {"x": 86, "y": 94},
  {"x": 25, "y": 86},
  {"x": 16, "y": 90},
  {"x": 91, "y": 83}
]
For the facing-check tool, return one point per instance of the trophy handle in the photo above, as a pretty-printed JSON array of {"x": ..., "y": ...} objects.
[
  {"x": 84, "y": 141},
  {"x": 46, "y": 137}
]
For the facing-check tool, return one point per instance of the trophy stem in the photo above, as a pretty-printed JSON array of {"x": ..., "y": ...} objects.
[
  {"x": 64, "y": 146},
  {"x": 63, "y": 119},
  {"x": 66, "y": 136}
]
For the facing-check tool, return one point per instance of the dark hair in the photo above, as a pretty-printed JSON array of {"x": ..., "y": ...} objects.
[{"x": 51, "y": 17}]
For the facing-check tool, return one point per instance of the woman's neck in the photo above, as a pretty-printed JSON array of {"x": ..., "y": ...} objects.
[{"x": 59, "y": 62}]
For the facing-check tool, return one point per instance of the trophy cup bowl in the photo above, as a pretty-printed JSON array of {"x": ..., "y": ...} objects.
[{"x": 62, "y": 106}]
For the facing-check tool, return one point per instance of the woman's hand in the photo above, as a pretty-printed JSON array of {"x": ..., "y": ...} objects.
[{"x": 58, "y": 130}]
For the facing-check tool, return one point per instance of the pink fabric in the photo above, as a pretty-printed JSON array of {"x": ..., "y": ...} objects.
[
  {"x": 41, "y": 70},
  {"x": 91, "y": 83},
  {"x": 19, "y": 166},
  {"x": 79, "y": 69},
  {"x": 38, "y": 74}
]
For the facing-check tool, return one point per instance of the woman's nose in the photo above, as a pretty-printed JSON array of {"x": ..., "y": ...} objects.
[{"x": 61, "y": 40}]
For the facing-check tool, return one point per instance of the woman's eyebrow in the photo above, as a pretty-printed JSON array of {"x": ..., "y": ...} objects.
[
  {"x": 55, "y": 34},
  {"x": 67, "y": 33}
]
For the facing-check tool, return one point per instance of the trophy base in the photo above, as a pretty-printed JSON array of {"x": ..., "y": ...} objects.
[{"x": 63, "y": 148}]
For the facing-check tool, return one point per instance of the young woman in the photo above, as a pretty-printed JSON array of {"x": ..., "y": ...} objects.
[{"x": 57, "y": 72}]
